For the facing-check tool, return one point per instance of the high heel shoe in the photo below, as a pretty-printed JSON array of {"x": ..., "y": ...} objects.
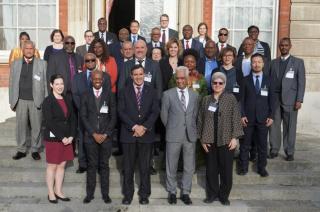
[
  {"x": 55, "y": 201},
  {"x": 66, "y": 199}
]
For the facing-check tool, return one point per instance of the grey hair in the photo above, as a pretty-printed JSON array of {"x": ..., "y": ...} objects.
[
  {"x": 28, "y": 42},
  {"x": 219, "y": 75},
  {"x": 183, "y": 69},
  {"x": 127, "y": 42}
]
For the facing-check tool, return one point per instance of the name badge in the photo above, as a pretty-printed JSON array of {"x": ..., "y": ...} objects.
[
  {"x": 148, "y": 77},
  {"x": 104, "y": 108},
  {"x": 236, "y": 90},
  {"x": 109, "y": 42},
  {"x": 264, "y": 92},
  {"x": 52, "y": 135},
  {"x": 36, "y": 77},
  {"x": 195, "y": 86},
  {"x": 213, "y": 107},
  {"x": 290, "y": 74}
]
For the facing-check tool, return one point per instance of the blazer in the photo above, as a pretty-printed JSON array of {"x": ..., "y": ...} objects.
[
  {"x": 292, "y": 89},
  {"x": 82, "y": 50},
  {"x": 80, "y": 86},
  {"x": 39, "y": 82},
  {"x": 139, "y": 38},
  {"x": 179, "y": 123},
  {"x": 255, "y": 107},
  {"x": 173, "y": 34},
  {"x": 115, "y": 50},
  {"x": 110, "y": 37},
  {"x": 196, "y": 45},
  {"x": 266, "y": 47},
  {"x": 151, "y": 67},
  {"x": 59, "y": 64},
  {"x": 150, "y": 47},
  {"x": 167, "y": 71},
  {"x": 130, "y": 115},
  {"x": 54, "y": 121},
  {"x": 229, "y": 121},
  {"x": 93, "y": 120},
  {"x": 201, "y": 66}
]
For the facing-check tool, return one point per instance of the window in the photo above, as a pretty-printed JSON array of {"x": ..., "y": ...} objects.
[
  {"x": 36, "y": 17},
  {"x": 238, "y": 15}
]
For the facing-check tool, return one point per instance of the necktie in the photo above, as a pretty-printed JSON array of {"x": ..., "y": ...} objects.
[
  {"x": 134, "y": 38},
  {"x": 222, "y": 45},
  {"x": 187, "y": 44},
  {"x": 155, "y": 45},
  {"x": 97, "y": 94},
  {"x": 89, "y": 81},
  {"x": 163, "y": 36},
  {"x": 183, "y": 100},
  {"x": 140, "y": 62},
  {"x": 138, "y": 96},
  {"x": 102, "y": 36},
  {"x": 72, "y": 69},
  {"x": 257, "y": 85}
]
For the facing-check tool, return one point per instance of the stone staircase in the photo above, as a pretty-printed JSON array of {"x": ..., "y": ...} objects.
[{"x": 291, "y": 186}]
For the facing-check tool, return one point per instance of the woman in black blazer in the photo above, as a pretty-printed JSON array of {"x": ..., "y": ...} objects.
[{"x": 59, "y": 131}]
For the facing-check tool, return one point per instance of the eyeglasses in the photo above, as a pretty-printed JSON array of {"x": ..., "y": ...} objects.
[
  {"x": 69, "y": 43},
  {"x": 217, "y": 83},
  {"x": 92, "y": 60},
  {"x": 221, "y": 34}
]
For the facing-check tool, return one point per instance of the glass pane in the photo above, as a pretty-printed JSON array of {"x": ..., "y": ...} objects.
[
  {"x": 48, "y": 1},
  {"x": 44, "y": 38},
  {"x": 263, "y": 3},
  {"x": 49, "y": 12},
  {"x": 238, "y": 37},
  {"x": 8, "y": 39},
  {"x": 27, "y": 1},
  {"x": 223, "y": 17},
  {"x": 263, "y": 18},
  {"x": 8, "y": 1},
  {"x": 8, "y": 16},
  {"x": 224, "y": 2},
  {"x": 266, "y": 37},
  {"x": 243, "y": 17},
  {"x": 244, "y": 3},
  {"x": 27, "y": 16}
]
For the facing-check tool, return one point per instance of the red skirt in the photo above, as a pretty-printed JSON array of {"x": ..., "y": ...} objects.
[{"x": 57, "y": 152}]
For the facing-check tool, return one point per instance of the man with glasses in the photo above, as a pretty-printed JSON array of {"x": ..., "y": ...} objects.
[
  {"x": 166, "y": 32},
  {"x": 223, "y": 36},
  {"x": 83, "y": 49},
  {"x": 108, "y": 37},
  {"x": 155, "y": 41}
]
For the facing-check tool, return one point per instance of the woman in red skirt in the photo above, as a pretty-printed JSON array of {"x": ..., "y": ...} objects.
[{"x": 59, "y": 131}]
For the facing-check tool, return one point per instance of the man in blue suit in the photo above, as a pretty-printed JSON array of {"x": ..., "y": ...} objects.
[{"x": 257, "y": 112}]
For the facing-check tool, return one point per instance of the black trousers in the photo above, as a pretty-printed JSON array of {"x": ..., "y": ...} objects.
[
  {"x": 219, "y": 166},
  {"x": 131, "y": 152},
  {"x": 98, "y": 158},
  {"x": 258, "y": 132}
]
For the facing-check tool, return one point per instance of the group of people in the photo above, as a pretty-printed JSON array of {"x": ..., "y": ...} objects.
[{"x": 194, "y": 92}]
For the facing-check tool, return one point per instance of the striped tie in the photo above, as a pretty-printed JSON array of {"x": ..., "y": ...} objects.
[
  {"x": 138, "y": 96},
  {"x": 183, "y": 100}
]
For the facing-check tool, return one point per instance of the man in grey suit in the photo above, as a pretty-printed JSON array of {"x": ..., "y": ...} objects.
[
  {"x": 83, "y": 49},
  {"x": 27, "y": 90},
  {"x": 178, "y": 114},
  {"x": 290, "y": 80}
]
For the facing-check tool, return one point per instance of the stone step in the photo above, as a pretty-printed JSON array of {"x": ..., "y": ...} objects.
[
  {"x": 155, "y": 205},
  {"x": 241, "y": 192},
  {"x": 276, "y": 178}
]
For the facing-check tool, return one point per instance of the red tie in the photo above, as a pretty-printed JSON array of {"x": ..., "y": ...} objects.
[
  {"x": 138, "y": 96},
  {"x": 187, "y": 44},
  {"x": 163, "y": 36},
  {"x": 97, "y": 93}
]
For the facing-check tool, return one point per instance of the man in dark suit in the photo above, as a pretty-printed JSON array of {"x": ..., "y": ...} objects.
[
  {"x": 108, "y": 37},
  {"x": 260, "y": 46},
  {"x": 222, "y": 41},
  {"x": 257, "y": 112},
  {"x": 67, "y": 63},
  {"x": 188, "y": 42},
  {"x": 82, "y": 83},
  {"x": 138, "y": 108},
  {"x": 155, "y": 41},
  {"x": 115, "y": 48},
  {"x": 166, "y": 32},
  {"x": 83, "y": 49},
  {"x": 152, "y": 69},
  {"x": 99, "y": 116},
  {"x": 134, "y": 29},
  {"x": 290, "y": 78}
]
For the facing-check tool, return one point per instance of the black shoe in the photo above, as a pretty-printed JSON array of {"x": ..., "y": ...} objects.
[
  {"x": 80, "y": 170},
  {"x": 19, "y": 155},
  {"x": 289, "y": 158},
  {"x": 253, "y": 159},
  {"x": 117, "y": 153},
  {"x": 273, "y": 155},
  {"x": 144, "y": 201},
  {"x": 36, "y": 156},
  {"x": 242, "y": 172},
  {"x": 153, "y": 171},
  {"x": 225, "y": 202},
  {"x": 263, "y": 173},
  {"x": 172, "y": 199},
  {"x": 87, "y": 199},
  {"x": 186, "y": 199},
  {"x": 209, "y": 200},
  {"x": 126, "y": 201},
  {"x": 107, "y": 199},
  {"x": 65, "y": 199},
  {"x": 55, "y": 201}
]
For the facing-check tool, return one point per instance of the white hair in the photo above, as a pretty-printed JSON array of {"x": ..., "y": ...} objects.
[{"x": 183, "y": 69}]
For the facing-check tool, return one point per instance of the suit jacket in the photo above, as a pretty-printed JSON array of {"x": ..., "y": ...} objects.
[
  {"x": 93, "y": 120},
  {"x": 39, "y": 82},
  {"x": 266, "y": 47},
  {"x": 196, "y": 45},
  {"x": 292, "y": 89},
  {"x": 55, "y": 121},
  {"x": 139, "y": 38},
  {"x": 266, "y": 68},
  {"x": 177, "y": 121},
  {"x": 173, "y": 33},
  {"x": 130, "y": 115},
  {"x": 82, "y": 50},
  {"x": 110, "y": 37},
  {"x": 151, "y": 67},
  {"x": 201, "y": 66},
  {"x": 150, "y": 47},
  {"x": 59, "y": 64},
  {"x": 167, "y": 71},
  {"x": 115, "y": 50},
  {"x": 255, "y": 107},
  {"x": 80, "y": 86}
]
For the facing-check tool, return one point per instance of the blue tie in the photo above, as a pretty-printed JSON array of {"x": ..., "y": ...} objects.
[
  {"x": 89, "y": 81},
  {"x": 257, "y": 85}
]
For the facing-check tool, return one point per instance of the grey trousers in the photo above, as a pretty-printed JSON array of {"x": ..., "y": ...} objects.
[
  {"x": 27, "y": 112},
  {"x": 289, "y": 123},
  {"x": 172, "y": 157}
]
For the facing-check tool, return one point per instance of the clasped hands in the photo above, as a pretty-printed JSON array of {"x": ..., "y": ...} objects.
[
  {"x": 99, "y": 138},
  {"x": 67, "y": 141},
  {"x": 138, "y": 130},
  {"x": 244, "y": 121}
]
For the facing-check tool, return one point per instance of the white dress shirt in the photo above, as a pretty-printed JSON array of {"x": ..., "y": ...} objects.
[{"x": 186, "y": 95}]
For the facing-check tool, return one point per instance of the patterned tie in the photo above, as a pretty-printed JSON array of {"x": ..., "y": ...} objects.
[
  {"x": 138, "y": 96},
  {"x": 163, "y": 36},
  {"x": 97, "y": 94},
  {"x": 187, "y": 44},
  {"x": 102, "y": 36},
  {"x": 183, "y": 100},
  {"x": 257, "y": 85},
  {"x": 72, "y": 68},
  {"x": 140, "y": 62}
]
